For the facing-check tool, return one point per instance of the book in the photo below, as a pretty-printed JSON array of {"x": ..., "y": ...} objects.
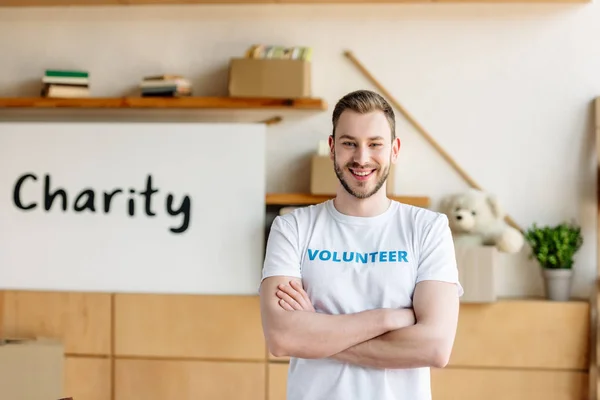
[{"x": 66, "y": 73}]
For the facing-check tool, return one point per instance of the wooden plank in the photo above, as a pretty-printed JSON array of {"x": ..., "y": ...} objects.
[
  {"x": 512, "y": 1},
  {"x": 179, "y": 380},
  {"x": 523, "y": 334},
  {"x": 41, "y": 102},
  {"x": 277, "y": 381},
  {"x": 87, "y": 378},
  {"x": 51, "y": 3},
  {"x": 142, "y": 2},
  {"x": 597, "y": 136},
  {"x": 594, "y": 387},
  {"x": 187, "y": 326},
  {"x": 476, "y": 384},
  {"x": 81, "y": 320},
  {"x": 351, "y": 1},
  {"x": 499, "y": 384},
  {"x": 593, "y": 355},
  {"x": 54, "y": 3},
  {"x": 225, "y": 102},
  {"x": 166, "y": 102},
  {"x": 2, "y": 306},
  {"x": 301, "y": 199},
  {"x": 595, "y": 352}
]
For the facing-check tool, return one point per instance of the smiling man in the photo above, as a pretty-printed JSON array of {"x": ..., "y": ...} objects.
[{"x": 361, "y": 291}]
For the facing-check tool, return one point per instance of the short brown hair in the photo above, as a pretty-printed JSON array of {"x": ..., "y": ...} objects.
[{"x": 364, "y": 101}]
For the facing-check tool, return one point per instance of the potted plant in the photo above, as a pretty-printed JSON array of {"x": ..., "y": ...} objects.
[{"x": 554, "y": 248}]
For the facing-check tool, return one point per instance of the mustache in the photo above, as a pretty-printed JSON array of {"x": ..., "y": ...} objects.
[{"x": 366, "y": 166}]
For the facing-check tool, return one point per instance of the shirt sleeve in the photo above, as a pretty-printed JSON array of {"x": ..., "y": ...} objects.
[
  {"x": 438, "y": 259},
  {"x": 282, "y": 257}
]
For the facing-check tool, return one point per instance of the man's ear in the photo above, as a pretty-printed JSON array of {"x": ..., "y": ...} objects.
[
  {"x": 331, "y": 146},
  {"x": 395, "y": 149}
]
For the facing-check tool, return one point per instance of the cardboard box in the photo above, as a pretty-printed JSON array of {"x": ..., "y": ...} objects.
[
  {"x": 269, "y": 78},
  {"x": 323, "y": 180},
  {"x": 31, "y": 369},
  {"x": 477, "y": 267}
]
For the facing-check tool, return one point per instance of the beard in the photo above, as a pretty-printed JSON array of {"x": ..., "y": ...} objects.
[{"x": 360, "y": 192}]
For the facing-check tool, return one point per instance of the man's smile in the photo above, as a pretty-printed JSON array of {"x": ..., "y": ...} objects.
[{"x": 362, "y": 174}]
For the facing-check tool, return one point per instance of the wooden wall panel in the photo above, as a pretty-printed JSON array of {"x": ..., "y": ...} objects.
[
  {"x": 183, "y": 380},
  {"x": 477, "y": 384},
  {"x": 87, "y": 378},
  {"x": 523, "y": 334},
  {"x": 143, "y": 2},
  {"x": 498, "y": 384},
  {"x": 188, "y": 347},
  {"x": 2, "y": 329},
  {"x": 81, "y": 320},
  {"x": 221, "y": 327},
  {"x": 53, "y": 3},
  {"x": 277, "y": 381}
]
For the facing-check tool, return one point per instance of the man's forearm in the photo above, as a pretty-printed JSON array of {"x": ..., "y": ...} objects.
[
  {"x": 314, "y": 335},
  {"x": 410, "y": 347}
]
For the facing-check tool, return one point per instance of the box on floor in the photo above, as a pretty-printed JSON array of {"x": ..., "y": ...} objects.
[{"x": 29, "y": 360}]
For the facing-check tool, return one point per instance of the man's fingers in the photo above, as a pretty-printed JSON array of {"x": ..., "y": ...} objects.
[
  {"x": 290, "y": 291},
  {"x": 296, "y": 296},
  {"x": 288, "y": 299},
  {"x": 301, "y": 291},
  {"x": 285, "y": 305}
]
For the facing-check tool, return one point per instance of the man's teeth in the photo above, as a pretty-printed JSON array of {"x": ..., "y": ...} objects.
[{"x": 361, "y": 173}]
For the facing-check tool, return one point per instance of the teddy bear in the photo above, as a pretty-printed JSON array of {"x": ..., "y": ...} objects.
[{"x": 476, "y": 218}]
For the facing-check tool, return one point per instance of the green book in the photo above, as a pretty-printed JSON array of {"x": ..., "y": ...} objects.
[{"x": 67, "y": 73}]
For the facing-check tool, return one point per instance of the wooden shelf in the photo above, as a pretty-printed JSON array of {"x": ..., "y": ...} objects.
[
  {"x": 65, "y": 3},
  {"x": 302, "y": 199},
  {"x": 166, "y": 103}
]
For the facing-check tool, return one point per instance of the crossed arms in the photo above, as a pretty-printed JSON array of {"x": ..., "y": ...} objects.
[{"x": 380, "y": 338}]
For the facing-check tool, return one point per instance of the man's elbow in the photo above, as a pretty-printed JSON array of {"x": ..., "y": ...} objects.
[
  {"x": 440, "y": 359},
  {"x": 276, "y": 345},
  {"x": 282, "y": 345},
  {"x": 286, "y": 345},
  {"x": 278, "y": 351},
  {"x": 440, "y": 353}
]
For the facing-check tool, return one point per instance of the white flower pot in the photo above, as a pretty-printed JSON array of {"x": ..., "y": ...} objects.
[{"x": 557, "y": 283}]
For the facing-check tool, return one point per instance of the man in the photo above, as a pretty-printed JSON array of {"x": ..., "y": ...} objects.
[{"x": 360, "y": 291}]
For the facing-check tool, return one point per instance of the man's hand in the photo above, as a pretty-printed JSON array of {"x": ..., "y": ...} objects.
[
  {"x": 311, "y": 334},
  {"x": 427, "y": 343},
  {"x": 293, "y": 297}
]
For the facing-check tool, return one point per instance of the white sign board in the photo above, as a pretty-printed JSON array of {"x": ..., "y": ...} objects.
[{"x": 132, "y": 207}]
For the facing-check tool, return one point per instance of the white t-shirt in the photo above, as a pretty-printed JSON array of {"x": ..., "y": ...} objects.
[{"x": 349, "y": 264}]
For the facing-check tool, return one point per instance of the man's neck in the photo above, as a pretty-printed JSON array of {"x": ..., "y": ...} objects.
[{"x": 373, "y": 206}]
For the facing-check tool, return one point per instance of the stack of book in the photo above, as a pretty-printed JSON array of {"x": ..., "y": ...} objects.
[
  {"x": 65, "y": 83},
  {"x": 165, "y": 86},
  {"x": 261, "y": 51}
]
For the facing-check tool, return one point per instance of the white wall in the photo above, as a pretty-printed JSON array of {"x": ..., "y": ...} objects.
[{"x": 505, "y": 89}]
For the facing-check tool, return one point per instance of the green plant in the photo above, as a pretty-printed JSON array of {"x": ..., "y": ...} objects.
[{"x": 554, "y": 246}]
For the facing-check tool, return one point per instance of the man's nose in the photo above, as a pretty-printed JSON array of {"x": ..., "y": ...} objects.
[{"x": 361, "y": 156}]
